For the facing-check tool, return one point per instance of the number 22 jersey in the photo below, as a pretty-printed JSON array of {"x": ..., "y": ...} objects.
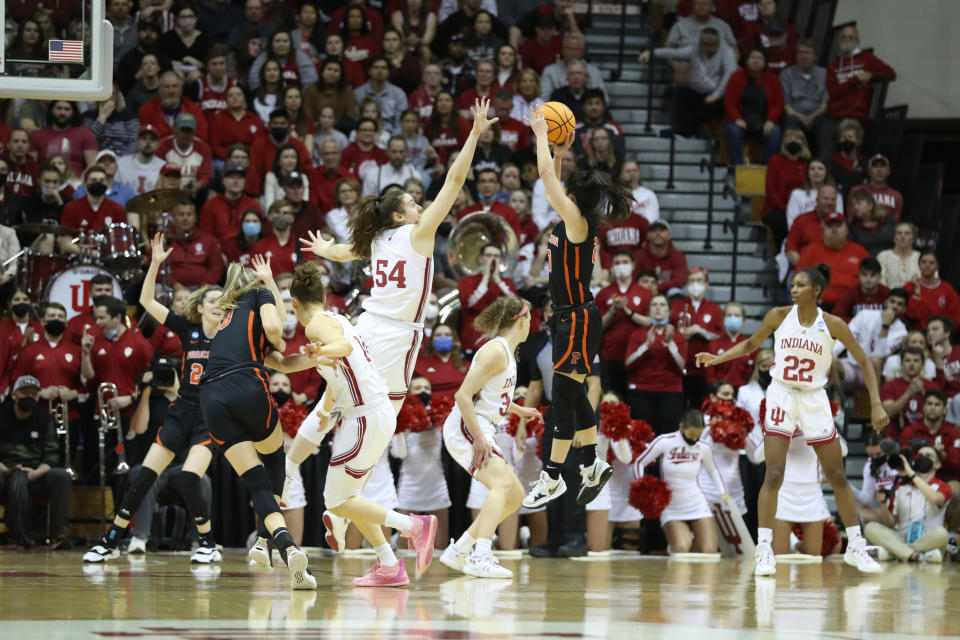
[
  {"x": 402, "y": 278},
  {"x": 803, "y": 355}
]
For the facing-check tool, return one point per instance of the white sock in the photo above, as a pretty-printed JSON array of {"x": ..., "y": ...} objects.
[
  {"x": 464, "y": 544},
  {"x": 385, "y": 555},
  {"x": 764, "y": 535},
  {"x": 398, "y": 521},
  {"x": 484, "y": 546},
  {"x": 853, "y": 533}
]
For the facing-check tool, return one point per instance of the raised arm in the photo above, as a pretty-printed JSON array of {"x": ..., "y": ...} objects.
[
  {"x": 148, "y": 292},
  {"x": 261, "y": 266},
  {"x": 839, "y": 330},
  {"x": 327, "y": 248},
  {"x": 549, "y": 168},
  {"x": 770, "y": 323},
  {"x": 425, "y": 231}
]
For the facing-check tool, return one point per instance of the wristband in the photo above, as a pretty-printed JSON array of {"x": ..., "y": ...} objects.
[
  {"x": 913, "y": 477},
  {"x": 885, "y": 326}
]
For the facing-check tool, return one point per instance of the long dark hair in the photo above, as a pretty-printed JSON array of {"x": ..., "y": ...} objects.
[
  {"x": 263, "y": 90},
  {"x": 374, "y": 214},
  {"x": 345, "y": 31},
  {"x": 435, "y": 124},
  {"x": 598, "y": 195},
  {"x": 341, "y": 83},
  {"x": 819, "y": 276},
  {"x": 276, "y": 159}
]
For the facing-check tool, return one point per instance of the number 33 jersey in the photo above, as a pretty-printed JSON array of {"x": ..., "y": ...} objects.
[
  {"x": 493, "y": 400},
  {"x": 402, "y": 278},
  {"x": 802, "y": 354}
]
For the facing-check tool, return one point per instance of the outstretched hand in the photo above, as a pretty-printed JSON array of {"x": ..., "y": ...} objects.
[
  {"x": 537, "y": 122},
  {"x": 261, "y": 266},
  {"x": 559, "y": 150},
  {"x": 706, "y": 360},
  {"x": 481, "y": 107},
  {"x": 317, "y": 244},
  {"x": 157, "y": 253}
]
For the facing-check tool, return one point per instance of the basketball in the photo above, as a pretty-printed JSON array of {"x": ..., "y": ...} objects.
[{"x": 559, "y": 119}]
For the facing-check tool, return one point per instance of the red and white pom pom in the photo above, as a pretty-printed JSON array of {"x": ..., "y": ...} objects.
[
  {"x": 292, "y": 416},
  {"x": 729, "y": 424},
  {"x": 413, "y": 416},
  {"x": 650, "y": 495},
  {"x": 440, "y": 408},
  {"x": 831, "y": 536},
  {"x": 615, "y": 420}
]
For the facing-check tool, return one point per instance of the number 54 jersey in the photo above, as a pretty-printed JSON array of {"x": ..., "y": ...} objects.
[
  {"x": 402, "y": 278},
  {"x": 802, "y": 354}
]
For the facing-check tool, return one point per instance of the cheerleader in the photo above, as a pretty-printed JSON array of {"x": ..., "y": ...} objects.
[
  {"x": 622, "y": 514},
  {"x": 282, "y": 392},
  {"x": 750, "y": 395},
  {"x": 681, "y": 456}
]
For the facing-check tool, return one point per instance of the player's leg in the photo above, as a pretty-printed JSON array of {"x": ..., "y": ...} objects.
[
  {"x": 597, "y": 535},
  {"x": 812, "y": 543},
  {"x": 502, "y": 501},
  {"x": 705, "y": 535},
  {"x": 775, "y": 450},
  {"x": 187, "y": 483},
  {"x": 594, "y": 472},
  {"x": 831, "y": 460},
  {"x": 678, "y": 535}
]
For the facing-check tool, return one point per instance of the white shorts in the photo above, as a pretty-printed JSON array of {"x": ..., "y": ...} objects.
[
  {"x": 801, "y": 502},
  {"x": 790, "y": 408},
  {"x": 296, "y": 493},
  {"x": 357, "y": 447},
  {"x": 393, "y": 347},
  {"x": 459, "y": 442},
  {"x": 686, "y": 505}
]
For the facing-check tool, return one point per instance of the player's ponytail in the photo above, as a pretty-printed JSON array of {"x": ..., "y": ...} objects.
[
  {"x": 819, "y": 276},
  {"x": 239, "y": 280},
  {"x": 597, "y": 194},
  {"x": 307, "y": 286},
  {"x": 374, "y": 214},
  {"x": 502, "y": 313}
]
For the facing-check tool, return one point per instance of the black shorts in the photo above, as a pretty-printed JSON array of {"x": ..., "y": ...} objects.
[
  {"x": 184, "y": 427},
  {"x": 238, "y": 407},
  {"x": 577, "y": 334}
]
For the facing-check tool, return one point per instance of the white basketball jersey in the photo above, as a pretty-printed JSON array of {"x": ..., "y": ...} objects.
[
  {"x": 803, "y": 354},
  {"x": 353, "y": 381},
  {"x": 493, "y": 400},
  {"x": 402, "y": 278}
]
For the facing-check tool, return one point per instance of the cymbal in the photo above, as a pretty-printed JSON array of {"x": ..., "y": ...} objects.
[
  {"x": 44, "y": 227},
  {"x": 154, "y": 202}
]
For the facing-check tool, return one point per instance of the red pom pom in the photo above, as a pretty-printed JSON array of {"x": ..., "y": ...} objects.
[
  {"x": 413, "y": 416},
  {"x": 440, "y": 408},
  {"x": 292, "y": 416},
  {"x": 763, "y": 411},
  {"x": 834, "y": 407},
  {"x": 831, "y": 536},
  {"x": 640, "y": 435},
  {"x": 650, "y": 495},
  {"x": 615, "y": 420},
  {"x": 729, "y": 424}
]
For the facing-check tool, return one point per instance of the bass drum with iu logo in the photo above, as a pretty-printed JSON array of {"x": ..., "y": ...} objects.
[{"x": 71, "y": 288}]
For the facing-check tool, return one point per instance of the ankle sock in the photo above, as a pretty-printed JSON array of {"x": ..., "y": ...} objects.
[
  {"x": 385, "y": 555},
  {"x": 398, "y": 521},
  {"x": 764, "y": 535},
  {"x": 854, "y": 534},
  {"x": 484, "y": 546},
  {"x": 553, "y": 469},
  {"x": 589, "y": 454},
  {"x": 284, "y": 541},
  {"x": 464, "y": 544}
]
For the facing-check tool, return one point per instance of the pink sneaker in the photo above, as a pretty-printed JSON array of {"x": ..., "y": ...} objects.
[
  {"x": 380, "y": 576},
  {"x": 422, "y": 535}
]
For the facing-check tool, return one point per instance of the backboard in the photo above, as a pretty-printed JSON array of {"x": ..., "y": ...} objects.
[{"x": 87, "y": 64}]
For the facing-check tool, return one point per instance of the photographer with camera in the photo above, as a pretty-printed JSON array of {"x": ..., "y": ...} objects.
[
  {"x": 184, "y": 428},
  {"x": 918, "y": 506},
  {"x": 879, "y": 480}
]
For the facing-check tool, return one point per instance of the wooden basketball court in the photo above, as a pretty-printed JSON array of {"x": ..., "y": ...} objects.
[{"x": 162, "y": 597}]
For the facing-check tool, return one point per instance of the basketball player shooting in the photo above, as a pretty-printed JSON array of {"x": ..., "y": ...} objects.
[
  {"x": 803, "y": 338},
  {"x": 573, "y": 248}
]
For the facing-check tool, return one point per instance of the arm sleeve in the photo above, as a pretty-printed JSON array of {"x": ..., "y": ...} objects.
[
  {"x": 711, "y": 468},
  {"x": 649, "y": 455},
  {"x": 880, "y": 69},
  {"x": 774, "y": 99},
  {"x": 864, "y": 495},
  {"x": 729, "y": 66},
  {"x": 731, "y": 98},
  {"x": 679, "y": 53},
  {"x": 774, "y": 191},
  {"x": 214, "y": 261},
  {"x": 678, "y": 273}
]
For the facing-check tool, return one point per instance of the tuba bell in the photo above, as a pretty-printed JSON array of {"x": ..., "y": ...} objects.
[{"x": 472, "y": 234}]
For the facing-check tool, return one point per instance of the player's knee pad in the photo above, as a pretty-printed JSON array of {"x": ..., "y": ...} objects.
[
  {"x": 187, "y": 485},
  {"x": 586, "y": 416},
  {"x": 138, "y": 491},
  {"x": 275, "y": 464},
  {"x": 257, "y": 484},
  {"x": 564, "y": 405}
]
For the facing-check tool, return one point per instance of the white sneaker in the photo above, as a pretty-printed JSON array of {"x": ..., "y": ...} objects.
[
  {"x": 485, "y": 566},
  {"x": 206, "y": 555},
  {"x": 766, "y": 563},
  {"x": 300, "y": 576},
  {"x": 100, "y": 552},
  {"x": 878, "y": 552},
  {"x": 857, "y": 556},
  {"x": 137, "y": 545},
  {"x": 592, "y": 479},
  {"x": 934, "y": 556},
  {"x": 454, "y": 559},
  {"x": 336, "y": 531},
  {"x": 259, "y": 554},
  {"x": 544, "y": 490}
]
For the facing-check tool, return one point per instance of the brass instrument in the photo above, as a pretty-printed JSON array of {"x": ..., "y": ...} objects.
[
  {"x": 109, "y": 419},
  {"x": 61, "y": 418},
  {"x": 472, "y": 234}
]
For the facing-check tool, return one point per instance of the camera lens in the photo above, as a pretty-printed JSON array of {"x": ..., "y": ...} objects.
[{"x": 894, "y": 462}]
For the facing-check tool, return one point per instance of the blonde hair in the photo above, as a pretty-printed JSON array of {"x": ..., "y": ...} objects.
[
  {"x": 239, "y": 281},
  {"x": 765, "y": 354},
  {"x": 805, "y": 151},
  {"x": 500, "y": 314},
  {"x": 194, "y": 300}
]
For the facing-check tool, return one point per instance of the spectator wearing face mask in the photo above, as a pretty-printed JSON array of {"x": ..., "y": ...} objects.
[
  {"x": 441, "y": 362},
  {"x": 305, "y": 385},
  {"x": 736, "y": 372},
  {"x": 280, "y": 247},
  {"x": 16, "y": 332},
  {"x": 879, "y": 479},
  {"x": 699, "y": 321},
  {"x": 750, "y": 395},
  {"x": 623, "y": 304}
]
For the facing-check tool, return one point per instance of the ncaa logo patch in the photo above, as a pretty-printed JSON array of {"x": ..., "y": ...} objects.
[{"x": 195, "y": 335}]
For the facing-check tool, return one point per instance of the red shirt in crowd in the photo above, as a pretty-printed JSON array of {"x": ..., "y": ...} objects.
[
  {"x": 784, "y": 174},
  {"x": 54, "y": 365},
  {"x": 949, "y": 376},
  {"x": 671, "y": 267},
  {"x": 79, "y": 324},
  {"x": 514, "y": 134},
  {"x": 322, "y": 184},
  {"x": 23, "y": 180},
  {"x": 887, "y": 197},
  {"x": 220, "y": 217},
  {"x": 850, "y": 98},
  {"x": 357, "y": 162},
  {"x": 444, "y": 378},
  {"x": 912, "y": 411},
  {"x": 121, "y": 362},
  {"x": 736, "y": 372},
  {"x": 196, "y": 261},
  {"x": 537, "y": 56},
  {"x": 154, "y": 114},
  {"x": 622, "y": 234},
  {"x": 422, "y": 102},
  {"x": 656, "y": 369},
  {"x": 855, "y": 300},
  {"x": 195, "y": 162},
  {"x": 770, "y": 84},
  {"x": 709, "y": 316},
  {"x": 805, "y": 230},
  {"x": 940, "y": 299},
  {"x": 166, "y": 342},
  {"x": 71, "y": 142},
  {"x": 617, "y": 333},
  {"x": 262, "y": 154},
  {"x": 79, "y": 214},
  {"x": 474, "y": 298},
  {"x": 283, "y": 258},
  {"x": 844, "y": 266},
  {"x": 948, "y": 437},
  {"x": 213, "y": 100},
  {"x": 445, "y": 141},
  {"x": 226, "y": 130},
  {"x": 11, "y": 344}
]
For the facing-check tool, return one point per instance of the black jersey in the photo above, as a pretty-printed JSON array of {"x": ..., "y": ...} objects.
[
  {"x": 571, "y": 266},
  {"x": 196, "y": 353},
  {"x": 240, "y": 343}
]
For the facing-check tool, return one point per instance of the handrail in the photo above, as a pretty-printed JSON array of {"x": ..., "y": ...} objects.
[
  {"x": 734, "y": 227},
  {"x": 648, "y": 128},
  {"x": 706, "y": 164}
]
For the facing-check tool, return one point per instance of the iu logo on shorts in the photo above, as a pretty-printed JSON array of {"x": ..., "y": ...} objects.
[{"x": 777, "y": 416}]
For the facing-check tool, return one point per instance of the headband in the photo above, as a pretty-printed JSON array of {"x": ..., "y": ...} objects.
[{"x": 522, "y": 311}]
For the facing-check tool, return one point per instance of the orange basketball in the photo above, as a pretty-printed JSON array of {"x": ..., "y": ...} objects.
[{"x": 559, "y": 119}]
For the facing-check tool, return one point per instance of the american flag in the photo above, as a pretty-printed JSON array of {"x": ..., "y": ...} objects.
[{"x": 66, "y": 50}]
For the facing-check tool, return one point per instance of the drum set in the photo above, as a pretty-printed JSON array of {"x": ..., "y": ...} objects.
[{"x": 115, "y": 251}]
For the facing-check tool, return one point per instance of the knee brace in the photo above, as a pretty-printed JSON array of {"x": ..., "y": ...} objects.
[
  {"x": 138, "y": 491},
  {"x": 187, "y": 485},
  {"x": 564, "y": 405},
  {"x": 257, "y": 483},
  {"x": 586, "y": 416},
  {"x": 275, "y": 465}
]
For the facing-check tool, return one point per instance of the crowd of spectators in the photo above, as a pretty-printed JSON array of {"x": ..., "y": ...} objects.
[{"x": 273, "y": 119}]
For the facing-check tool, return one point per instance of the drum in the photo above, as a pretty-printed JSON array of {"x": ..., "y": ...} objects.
[
  {"x": 34, "y": 271},
  {"x": 121, "y": 248},
  {"x": 71, "y": 288}
]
